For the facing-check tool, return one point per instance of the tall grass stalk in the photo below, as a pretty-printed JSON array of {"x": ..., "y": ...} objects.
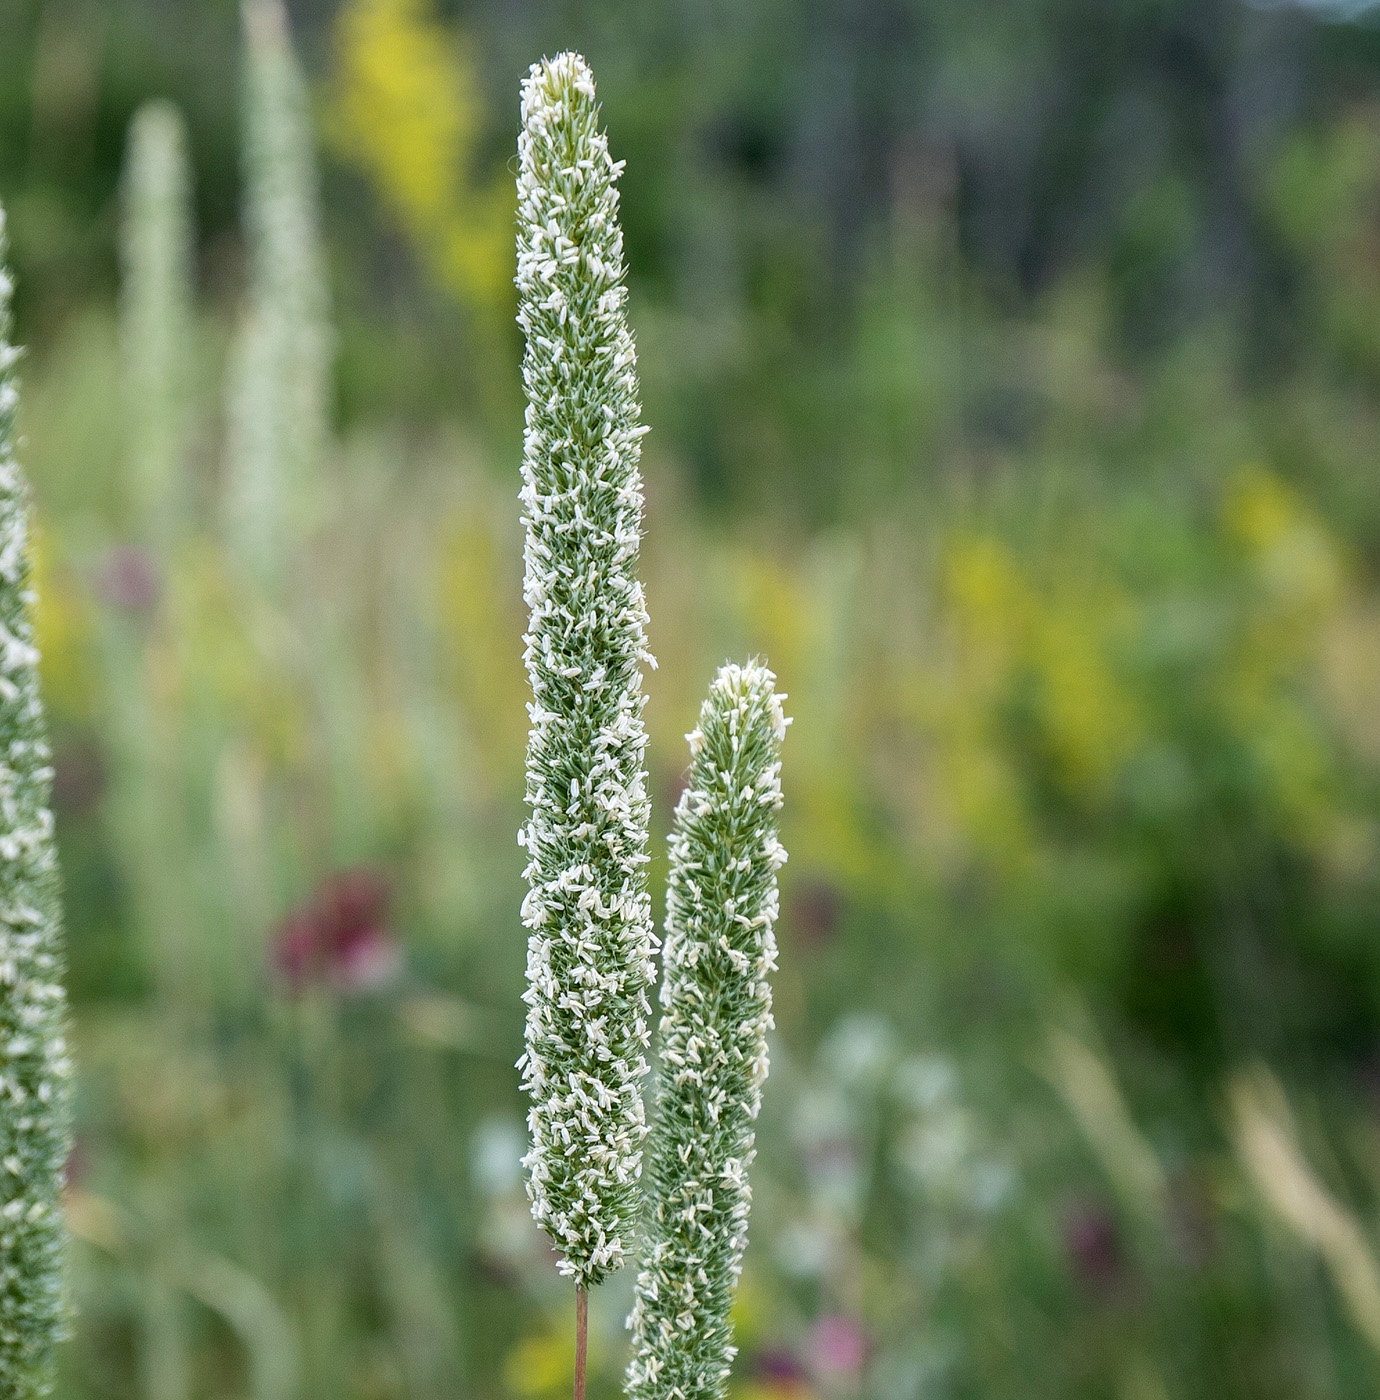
[
  {"x": 589, "y": 952},
  {"x": 35, "y": 1072}
]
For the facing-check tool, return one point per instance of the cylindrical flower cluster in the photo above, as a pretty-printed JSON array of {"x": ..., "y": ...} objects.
[
  {"x": 35, "y": 1073},
  {"x": 718, "y": 953},
  {"x": 589, "y": 951},
  {"x": 280, "y": 374},
  {"x": 156, "y": 317}
]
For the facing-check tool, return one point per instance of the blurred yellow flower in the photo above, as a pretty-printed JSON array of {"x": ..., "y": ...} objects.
[
  {"x": 64, "y": 633},
  {"x": 539, "y": 1365},
  {"x": 786, "y": 1388},
  {"x": 1259, "y": 509},
  {"x": 1298, "y": 560},
  {"x": 1297, "y": 594},
  {"x": 985, "y": 589},
  {"x": 1089, "y": 718},
  {"x": 405, "y": 111},
  {"x": 1056, "y": 638}
]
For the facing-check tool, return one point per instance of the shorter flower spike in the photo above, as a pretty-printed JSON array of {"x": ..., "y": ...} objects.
[
  {"x": 35, "y": 1073},
  {"x": 716, "y": 999}
]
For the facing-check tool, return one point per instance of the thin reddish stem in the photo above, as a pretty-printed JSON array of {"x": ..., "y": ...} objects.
[{"x": 581, "y": 1340}]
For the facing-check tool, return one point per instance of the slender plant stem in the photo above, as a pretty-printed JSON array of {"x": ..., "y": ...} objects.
[{"x": 581, "y": 1339}]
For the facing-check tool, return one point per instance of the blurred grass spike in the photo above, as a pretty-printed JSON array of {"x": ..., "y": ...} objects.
[
  {"x": 35, "y": 1072},
  {"x": 719, "y": 952},
  {"x": 1267, "y": 1145},
  {"x": 156, "y": 318},
  {"x": 1087, "y": 1084},
  {"x": 589, "y": 952},
  {"x": 279, "y": 378}
]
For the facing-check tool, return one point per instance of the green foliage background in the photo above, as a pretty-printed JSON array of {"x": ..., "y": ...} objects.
[{"x": 1013, "y": 380}]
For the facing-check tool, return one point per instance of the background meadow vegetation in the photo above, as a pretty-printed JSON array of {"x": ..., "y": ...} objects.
[{"x": 1014, "y": 378}]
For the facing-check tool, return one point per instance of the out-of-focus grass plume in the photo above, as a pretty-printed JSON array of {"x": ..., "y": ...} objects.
[
  {"x": 280, "y": 400},
  {"x": 1267, "y": 1144},
  {"x": 156, "y": 321}
]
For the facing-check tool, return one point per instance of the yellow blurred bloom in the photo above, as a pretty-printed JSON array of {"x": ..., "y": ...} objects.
[
  {"x": 784, "y": 1389},
  {"x": 750, "y": 1309},
  {"x": 985, "y": 592},
  {"x": 405, "y": 111},
  {"x": 1089, "y": 718},
  {"x": 64, "y": 634},
  {"x": 773, "y": 602},
  {"x": 1350, "y": 658},
  {"x": 1057, "y": 637},
  {"x": 1259, "y": 509},
  {"x": 539, "y": 1365},
  {"x": 1297, "y": 558},
  {"x": 1297, "y": 596}
]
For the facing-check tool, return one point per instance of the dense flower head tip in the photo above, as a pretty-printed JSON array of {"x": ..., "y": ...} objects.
[
  {"x": 718, "y": 954},
  {"x": 587, "y": 910},
  {"x": 35, "y": 1069}
]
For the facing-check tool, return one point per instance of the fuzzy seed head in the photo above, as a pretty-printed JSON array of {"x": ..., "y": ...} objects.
[
  {"x": 590, "y": 942},
  {"x": 718, "y": 954}
]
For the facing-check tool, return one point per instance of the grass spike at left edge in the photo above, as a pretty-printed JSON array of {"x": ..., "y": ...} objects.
[{"x": 35, "y": 1071}]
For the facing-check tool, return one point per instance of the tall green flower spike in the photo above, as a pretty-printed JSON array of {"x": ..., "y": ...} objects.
[
  {"x": 279, "y": 399},
  {"x": 589, "y": 951},
  {"x": 35, "y": 1073},
  {"x": 719, "y": 950}
]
